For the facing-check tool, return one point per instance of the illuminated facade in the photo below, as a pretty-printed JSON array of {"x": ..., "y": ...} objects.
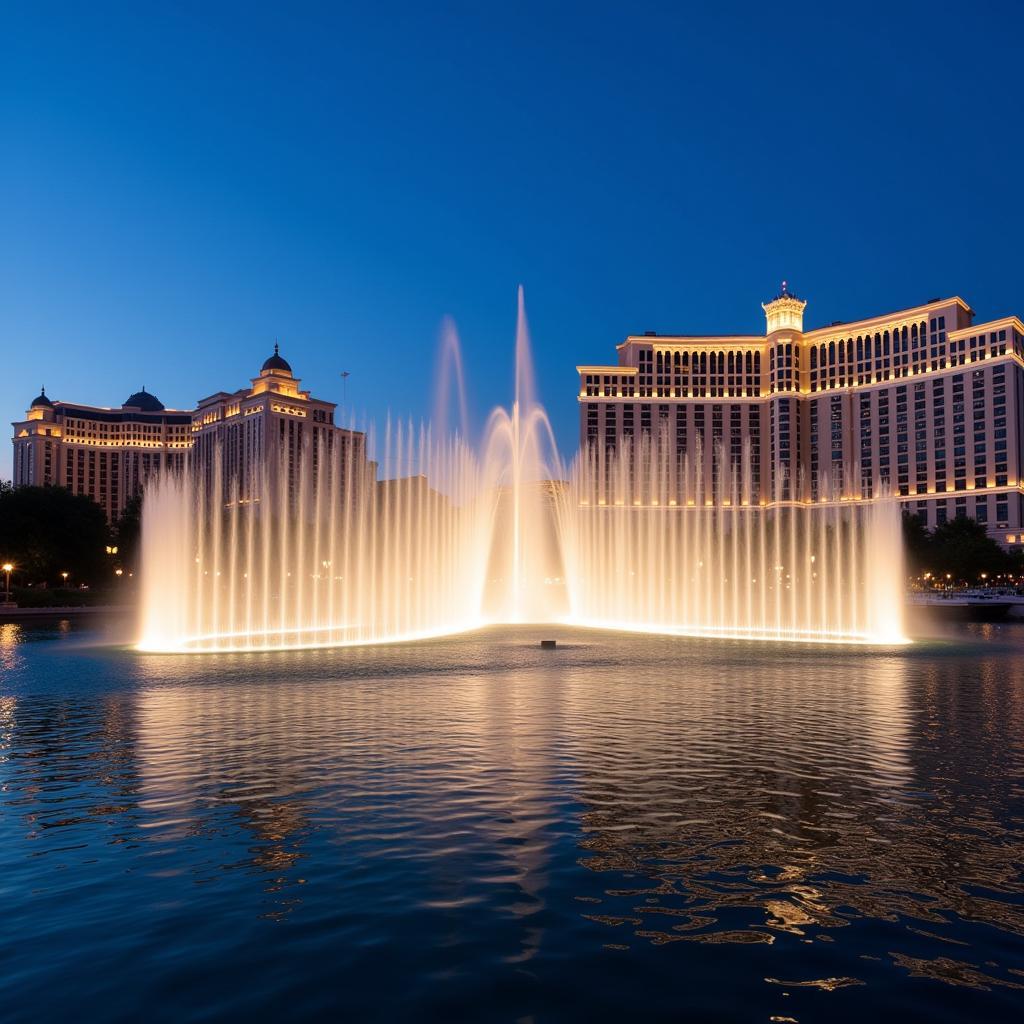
[
  {"x": 921, "y": 403},
  {"x": 106, "y": 454},
  {"x": 273, "y": 427},
  {"x": 243, "y": 440}
]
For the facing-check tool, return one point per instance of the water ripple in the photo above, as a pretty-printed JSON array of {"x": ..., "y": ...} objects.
[{"x": 655, "y": 826}]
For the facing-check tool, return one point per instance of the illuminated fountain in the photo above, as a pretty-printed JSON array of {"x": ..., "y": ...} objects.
[
  {"x": 458, "y": 536},
  {"x": 648, "y": 548},
  {"x": 346, "y": 559}
]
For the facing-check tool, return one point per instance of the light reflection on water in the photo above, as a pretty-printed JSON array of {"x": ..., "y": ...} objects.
[{"x": 625, "y": 825}]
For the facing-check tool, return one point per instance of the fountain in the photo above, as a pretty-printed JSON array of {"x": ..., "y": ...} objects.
[
  {"x": 647, "y": 548},
  {"x": 457, "y": 537}
]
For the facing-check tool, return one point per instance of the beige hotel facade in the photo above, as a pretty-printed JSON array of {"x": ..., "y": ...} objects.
[
  {"x": 922, "y": 403},
  {"x": 105, "y": 453},
  {"x": 272, "y": 426}
]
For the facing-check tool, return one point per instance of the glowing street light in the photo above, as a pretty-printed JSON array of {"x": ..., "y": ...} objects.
[
  {"x": 64, "y": 576},
  {"x": 8, "y": 568}
]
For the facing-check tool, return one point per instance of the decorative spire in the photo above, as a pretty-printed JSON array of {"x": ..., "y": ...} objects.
[{"x": 277, "y": 348}]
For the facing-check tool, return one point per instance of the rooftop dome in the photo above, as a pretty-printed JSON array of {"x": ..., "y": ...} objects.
[
  {"x": 41, "y": 400},
  {"x": 145, "y": 401},
  {"x": 275, "y": 362}
]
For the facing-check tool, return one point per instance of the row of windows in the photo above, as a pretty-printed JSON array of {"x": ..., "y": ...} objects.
[{"x": 895, "y": 353}]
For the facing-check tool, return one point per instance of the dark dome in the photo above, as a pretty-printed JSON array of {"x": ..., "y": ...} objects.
[
  {"x": 145, "y": 401},
  {"x": 41, "y": 400},
  {"x": 275, "y": 362}
]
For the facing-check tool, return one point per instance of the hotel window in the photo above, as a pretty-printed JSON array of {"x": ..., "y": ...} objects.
[
  {"x": 754, "y": 431},
  {"x": 628, "y": 426}
]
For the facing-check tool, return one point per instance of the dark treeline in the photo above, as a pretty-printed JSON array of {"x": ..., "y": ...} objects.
[
  {"x": 960, "y": 549},
  {"x": 48, "y": 531}
]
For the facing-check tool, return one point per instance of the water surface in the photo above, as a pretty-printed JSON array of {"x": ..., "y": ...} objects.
[{"x": 476, "y": 828}]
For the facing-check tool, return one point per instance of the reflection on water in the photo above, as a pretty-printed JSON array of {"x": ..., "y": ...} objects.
[{"x": 625, "y": 825}]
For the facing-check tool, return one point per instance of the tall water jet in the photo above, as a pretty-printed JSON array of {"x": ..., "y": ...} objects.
[
  {"x": 520, "y": 461},
  {"x": 450, "y": 372}
]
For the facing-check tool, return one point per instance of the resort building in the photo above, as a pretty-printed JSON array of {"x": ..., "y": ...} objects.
[
  {"x": 921, "y": 403},
  {"x": 242, "y": 440},
  {"x": 273, "y": 427},
  {"x": 106, "y": 454}
]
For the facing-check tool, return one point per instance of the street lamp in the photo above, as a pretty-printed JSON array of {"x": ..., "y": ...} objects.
[
  {"x": 64, "y": 576},
  {"x": 8, "y": 568}
]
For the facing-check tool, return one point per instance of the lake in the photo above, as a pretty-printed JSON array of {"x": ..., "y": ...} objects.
[{"x": 475, "y": 828}]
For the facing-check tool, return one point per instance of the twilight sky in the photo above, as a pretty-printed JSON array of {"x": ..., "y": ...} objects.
[{"x": 182, "y": 183}]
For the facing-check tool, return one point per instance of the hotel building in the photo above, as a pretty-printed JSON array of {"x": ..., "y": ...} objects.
[
  {"x": 274, "y": 427},
  {"x": 106, "y": 454},
  {"x": 922, "y": 403},
  {"x": 252, "y": 434}
]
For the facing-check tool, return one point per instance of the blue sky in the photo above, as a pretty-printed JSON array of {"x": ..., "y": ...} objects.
[{"x": 182, "y": 183}]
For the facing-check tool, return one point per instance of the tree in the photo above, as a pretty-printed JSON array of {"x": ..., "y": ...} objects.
[
  {"x": 917, "y": 544},
  {"x": 963, "y": 550},
  {"x": 128, "y": 532},
  {"x": 46, "y": 531}
]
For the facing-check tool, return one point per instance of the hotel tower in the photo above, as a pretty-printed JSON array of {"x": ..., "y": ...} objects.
[
  {"x": 922, "y": 404},
  {"x": 104, "y": 453},
  {"x": 242, "y": 439}
]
